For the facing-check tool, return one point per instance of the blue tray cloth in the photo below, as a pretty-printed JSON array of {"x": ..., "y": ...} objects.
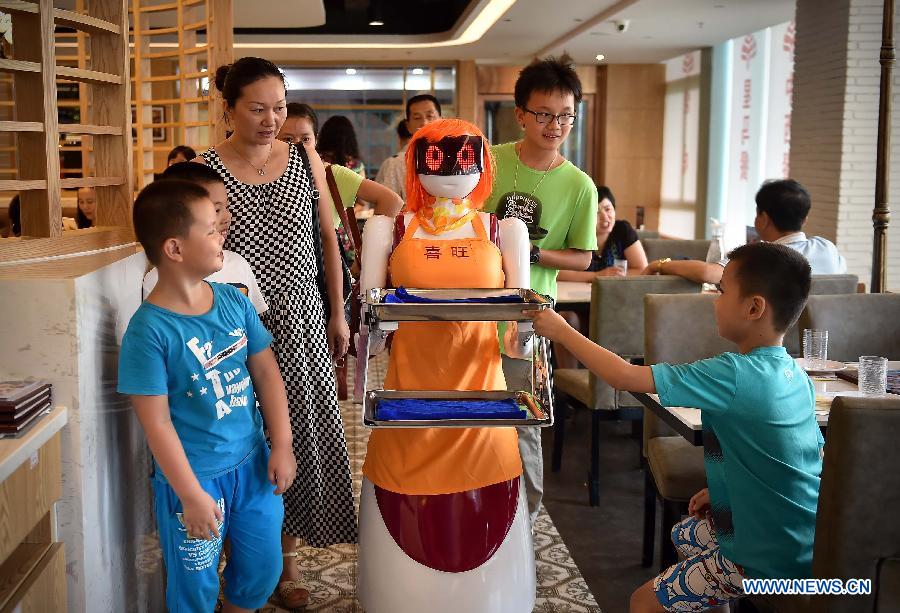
[
  {"x": 404, "y": 409},
  {"x": 402, "y": 296}
]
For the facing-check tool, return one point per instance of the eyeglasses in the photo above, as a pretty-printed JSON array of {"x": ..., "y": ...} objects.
[{"x": 564, "y": 119}]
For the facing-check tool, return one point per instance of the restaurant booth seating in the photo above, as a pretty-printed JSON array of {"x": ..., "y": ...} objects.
[
  {"x": 677, "y": 329},
  {"x": 616, "y": 323},
  {"x": 659, "y": 248},
  {"x": 821, "y": 284},
  {"x": 858, "y": 324},
  {"x": 857, "y": 532}
]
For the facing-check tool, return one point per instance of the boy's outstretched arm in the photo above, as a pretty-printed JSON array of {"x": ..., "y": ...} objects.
[
  {"x": 605, "y": 364},
  {"x": 199, "y": 511},
  {"x": 269, "y": 387}
]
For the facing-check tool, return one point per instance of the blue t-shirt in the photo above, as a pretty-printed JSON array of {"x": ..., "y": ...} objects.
[
  {"x": 761, "y": 448},
  {"x": 200, "y": 363}
]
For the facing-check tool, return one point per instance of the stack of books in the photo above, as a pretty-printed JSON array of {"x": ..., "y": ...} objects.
[{"x": 21, "y": 403}]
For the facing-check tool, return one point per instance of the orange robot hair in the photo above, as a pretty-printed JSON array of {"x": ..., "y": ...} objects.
[{"x": 416, "y": 195}]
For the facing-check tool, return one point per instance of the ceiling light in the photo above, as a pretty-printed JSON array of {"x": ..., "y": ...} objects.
[
  {"x": 376, "y": 13},
  {"x": 376, "y": 22},
  {"x": 471, "y": 32},
  {"x": 351, "y": 71},
  {"x": 600, "y": 57},
  {"x": 418, "y": 71}
]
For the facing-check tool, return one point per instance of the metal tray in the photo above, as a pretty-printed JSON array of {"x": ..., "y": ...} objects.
[
  {"x": 378, "y": 310},
  {"x": 537, "y": 415}
]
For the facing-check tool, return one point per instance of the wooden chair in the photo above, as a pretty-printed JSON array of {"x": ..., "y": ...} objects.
[
  {"x": 677, "y": 329},
  {"x": 616, "y": 323}
]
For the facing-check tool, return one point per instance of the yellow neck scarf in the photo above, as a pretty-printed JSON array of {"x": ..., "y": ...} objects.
[{"x": 440, "y": 215}]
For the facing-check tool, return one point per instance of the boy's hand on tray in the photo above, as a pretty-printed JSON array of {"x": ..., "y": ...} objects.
[{"x": 549, "y": 324}]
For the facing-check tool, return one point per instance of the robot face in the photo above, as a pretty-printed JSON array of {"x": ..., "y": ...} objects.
[
  {"x": 449, "y": 186},
  {"x": 452, "y": 155}
]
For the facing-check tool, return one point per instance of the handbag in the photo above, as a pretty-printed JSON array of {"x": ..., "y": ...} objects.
[
  {"x": 318, "y": 248},
  {"x": 350, "y": 225}
]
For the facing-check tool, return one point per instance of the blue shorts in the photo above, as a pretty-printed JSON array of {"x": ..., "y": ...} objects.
[
  {"x": 705, "y": 578},
  {"x": 252, "y": 517}
]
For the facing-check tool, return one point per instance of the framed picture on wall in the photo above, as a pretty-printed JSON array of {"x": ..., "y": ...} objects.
[{"x": 157, "y": 115}]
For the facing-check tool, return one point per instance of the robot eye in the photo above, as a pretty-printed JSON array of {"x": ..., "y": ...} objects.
[
  {"x": 466, "y": 157},
  {"x": 434, "y": 157}
]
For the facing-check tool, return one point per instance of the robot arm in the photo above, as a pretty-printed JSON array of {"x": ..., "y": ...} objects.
[
  {"x": 378, "y": 239},
  {"x": 515, "y": 247}
]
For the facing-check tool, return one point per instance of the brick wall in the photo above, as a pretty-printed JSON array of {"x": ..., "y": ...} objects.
[{"x": 834, "y": 125}]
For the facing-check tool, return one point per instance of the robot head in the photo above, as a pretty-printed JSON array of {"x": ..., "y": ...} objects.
[{"x": 448, "y": 158}]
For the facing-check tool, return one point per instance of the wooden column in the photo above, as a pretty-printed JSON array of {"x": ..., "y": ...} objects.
[
  {"x": 220, "y": 39},
  {"x": 466, "y": 90},
  {"x": 881, "y": 216}
]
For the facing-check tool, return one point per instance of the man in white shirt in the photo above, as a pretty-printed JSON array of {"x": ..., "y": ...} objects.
[
  {"x": 420, "y": 110},
  {"x": 782, "y": 207}
]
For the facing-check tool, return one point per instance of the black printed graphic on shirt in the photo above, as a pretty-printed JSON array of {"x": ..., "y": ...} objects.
[{"x": 526, "y": 207}]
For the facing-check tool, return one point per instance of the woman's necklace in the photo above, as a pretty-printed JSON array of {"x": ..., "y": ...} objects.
[
  {"x": 541, "y": 180},
  {"x": 260, "y": 170}
]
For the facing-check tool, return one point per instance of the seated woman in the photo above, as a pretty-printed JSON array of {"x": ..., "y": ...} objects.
[{"x": 616, "y": 240}]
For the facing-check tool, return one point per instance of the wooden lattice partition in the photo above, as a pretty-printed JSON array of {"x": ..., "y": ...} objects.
[
  {"x": 106, "y": 118},
  {"x": 176, "y": 48}
]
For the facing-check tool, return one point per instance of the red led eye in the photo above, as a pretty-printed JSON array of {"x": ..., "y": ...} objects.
[
  {"x": 466, "y": 157},
  {"x": 434, "y": 157}
]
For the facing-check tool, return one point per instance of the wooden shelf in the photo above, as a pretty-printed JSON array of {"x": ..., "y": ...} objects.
[
  {"x": 84, "y": 23},
  {"x": 90, "y": 182},
  {"x": 86, "y": 76},
  {"x": 18, "y": 6},
  {"x": 197, "y": 25},
  {"x": 21, "y": 126},
  {"x": 172, "y": 6},
  {"x": 82, "y": 128},
  {"x": 160, "y": 54},
  {"x": 198, "y": 49},
  {"x": 159, "y": 31},
  {"x": 19, "y": 66},
  {"x": 21, "y": 185}
]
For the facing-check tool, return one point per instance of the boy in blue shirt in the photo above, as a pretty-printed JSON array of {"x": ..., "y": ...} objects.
[
  {"x": 762, "y": 446},
  {"x": 194, "y": 360}
]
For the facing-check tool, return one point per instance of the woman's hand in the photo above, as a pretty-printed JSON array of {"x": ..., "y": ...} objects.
[
  {"x": 201, "y": 516},
  {"x": 699, "y": 504},
  {"x": 338, "y": 337},
  {"x": 282, "y": 468},
  {"x": 611, "y": 271},
  {"x": 652, "y": 268}
]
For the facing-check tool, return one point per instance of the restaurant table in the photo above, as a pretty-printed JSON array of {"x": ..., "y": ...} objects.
[
  {"x": 687, "y": 423},
  {"x": 573, "y": 292}
]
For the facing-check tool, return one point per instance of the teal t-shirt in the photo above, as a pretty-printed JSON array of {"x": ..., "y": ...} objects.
[
  {"x": 200, "y": 363},
  {"x": 560, "y": 214},
  {"x": 761, "y": 448}
]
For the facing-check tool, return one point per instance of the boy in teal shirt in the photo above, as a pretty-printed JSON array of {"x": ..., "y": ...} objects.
[
  {"x": 558, "y": 203},
  {"x": 762, "y": 446}
]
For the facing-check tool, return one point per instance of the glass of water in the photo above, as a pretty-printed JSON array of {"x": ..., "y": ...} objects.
[
  {"x": 873, "y": 375},
  {"x": 621, "y": 265},
  {"x": 815, "y": 348}
]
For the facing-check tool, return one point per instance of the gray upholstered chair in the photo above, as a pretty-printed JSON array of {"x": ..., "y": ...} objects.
[
  {"x": 616, "y": 323},
  {"x": 857, "y": 324},
  {"x": 857, "y": 533},
  {"x": 658, "y": 248},
  {"x": 677, "y": 329},
  {"x": 821, "y": 284},
  {"x": 645, "y": 234}
]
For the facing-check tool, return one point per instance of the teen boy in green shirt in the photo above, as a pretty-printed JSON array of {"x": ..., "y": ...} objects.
[
  {"x": 761, "y": 444},
  {"x": 555, "y": 199}
]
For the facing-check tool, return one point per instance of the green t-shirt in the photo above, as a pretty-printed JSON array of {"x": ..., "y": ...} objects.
[
  {"x": 761, "y": 449},
  {"x": 565, "y": 215},
  {"x": 348, "y": 182}
]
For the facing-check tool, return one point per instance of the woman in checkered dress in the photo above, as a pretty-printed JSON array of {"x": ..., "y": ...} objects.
[{"x": 271, "y": 194}]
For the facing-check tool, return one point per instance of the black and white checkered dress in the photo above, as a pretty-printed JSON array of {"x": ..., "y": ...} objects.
[{"x": 272, "y": 228}]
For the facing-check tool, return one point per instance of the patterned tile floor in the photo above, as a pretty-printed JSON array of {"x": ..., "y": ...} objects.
[{"x": 330, "y": 573}]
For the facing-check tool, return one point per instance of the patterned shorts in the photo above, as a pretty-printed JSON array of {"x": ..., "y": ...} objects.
[{"x": 703, "y": 580}]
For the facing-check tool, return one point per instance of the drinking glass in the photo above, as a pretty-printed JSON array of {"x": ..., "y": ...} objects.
[
  {"x": 873, "y": 375},
  {"x": 621, "y": 265},
  {"x": 815, "y": 348}
]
